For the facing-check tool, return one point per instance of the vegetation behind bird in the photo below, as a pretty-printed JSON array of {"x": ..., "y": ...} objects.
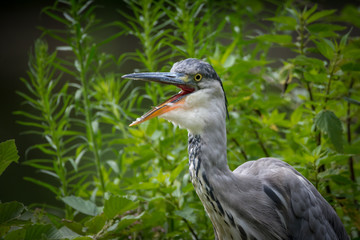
[{"x": 111, "y": 180}]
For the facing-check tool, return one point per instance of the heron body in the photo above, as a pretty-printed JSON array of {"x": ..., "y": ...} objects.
[{"x": 264, "y": 199}]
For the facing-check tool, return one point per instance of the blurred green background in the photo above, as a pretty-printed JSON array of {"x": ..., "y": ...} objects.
[{"x": 147, "y": 164}]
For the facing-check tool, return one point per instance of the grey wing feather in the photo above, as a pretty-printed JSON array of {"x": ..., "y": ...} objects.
[{"x": 305, "y": 213}]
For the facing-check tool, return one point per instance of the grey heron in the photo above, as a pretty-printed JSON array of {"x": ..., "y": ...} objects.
[{"x": 266, "y": 199}]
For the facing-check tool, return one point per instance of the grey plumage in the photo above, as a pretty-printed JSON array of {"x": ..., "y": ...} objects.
[{"x": 265, "y": 199}]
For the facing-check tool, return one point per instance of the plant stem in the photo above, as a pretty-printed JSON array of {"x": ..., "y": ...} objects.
[
  {"x": 79, "y": 50},
  {"x": 190, "y": 228},
  {"x": 262, "y": 145},
  {"x": 332, "y": 64},
  {"x": 311, "y": 98},
  {"x": 349, "y": 138},
  {"x": 241, "y": 149},
  {"x": 90, "y": 130},
  {"x": 44, "y": 65},
  {"x": 150, "y": 63}
]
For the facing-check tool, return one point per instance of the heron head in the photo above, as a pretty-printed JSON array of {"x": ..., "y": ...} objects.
[{"x": 201, "y": 100}]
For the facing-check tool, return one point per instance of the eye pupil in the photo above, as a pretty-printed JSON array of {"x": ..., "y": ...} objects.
[{"x": 198, "y": 77}]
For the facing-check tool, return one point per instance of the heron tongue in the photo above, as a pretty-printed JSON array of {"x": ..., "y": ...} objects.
[{"x": 170, "y": 104}]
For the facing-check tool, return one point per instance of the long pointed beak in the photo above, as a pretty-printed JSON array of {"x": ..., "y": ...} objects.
[
  {"x": 162, "y": 77},
  {"x": 178, "y": 79}
]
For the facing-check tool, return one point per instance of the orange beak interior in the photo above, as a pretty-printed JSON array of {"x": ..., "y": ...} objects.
[{"x": 172, "y": 103}]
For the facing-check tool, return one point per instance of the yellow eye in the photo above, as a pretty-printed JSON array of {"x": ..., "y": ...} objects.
[{"x": 198, "y": 77}]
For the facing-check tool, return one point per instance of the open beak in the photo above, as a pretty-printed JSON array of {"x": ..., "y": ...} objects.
[{"x": 180, "y": 80}]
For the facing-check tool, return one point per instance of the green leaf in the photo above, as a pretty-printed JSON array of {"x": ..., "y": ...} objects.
[
  {"x": 324, "y": 27},
  {"x": 39, "y": 231},
  {"x": 329, "y": 159},
  {"x": 95, "y": 224},
  {"x": 143, "y": 185},
  {"x": 307, "y": 61},
  {"x": 175, "y": 173},
  {"x": 344, "y": 40},
  {"x": 10, "y": 211},
  {"x": 351, "y": 67},
  {"x": 8, "y": 154},
  {"x": 187, "y": 213},
  {"x": 316, "y": 77},
  {"x": 117, "y": 205},
  {"x": 353, "y": 149},
  {"x": 127, "y": 221},
  {"x": 326, "y": 48},
  {"x": 318, "y": 15},
  {"x": 16, "y": 234},
  {"x": 54, "y": 16},
  {"x": 64, "y": 233},
  {"x": 286, "y": 20},
  {"x": 84, "y": 206},
  {"x": 74, "y": 226},
  {"x": 307, "y": 13},
  {"x": 296, "y": 116},
  {"x": 330, "y": 124},
  {"x": 341, "y": 180},
  {"x": 351, "y": 14},
  {"x": 44, "y": 184}
]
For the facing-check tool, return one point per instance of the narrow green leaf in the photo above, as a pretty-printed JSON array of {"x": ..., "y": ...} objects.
[
  {"x": 324, "y": 27},
  {"x": 175, "y": 173},
  {"x": 286, "y": 20},
  {"x": 330, "y": 124},
  {"x": 318, "y": 15},
  {"x": 307, "y": 13},
  {"x": 228, "y": 51},
  {"x": 54, "y": 16},
  {"x": 351, "y": 100},
  {"x": 109, "y": 39},
  {"x": 8, "y": 154},
  {"x": 32, "y": 124},
  {"x": 43, "y": 184},
  {"x": 64, "y": 69},
  {"x": 84, "y": 206},
  {"x": 296, "y": 115},
  {"x": 29, "y": 115}
]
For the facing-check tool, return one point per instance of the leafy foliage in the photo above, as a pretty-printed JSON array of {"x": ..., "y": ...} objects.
[
  {"x": 121, "y": 182},
  {"x": 8, "y": 154},
  {"x": 328, "y": 123}
]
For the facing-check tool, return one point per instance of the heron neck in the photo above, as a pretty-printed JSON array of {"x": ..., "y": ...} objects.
[{"x": 207, "y": 151}]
